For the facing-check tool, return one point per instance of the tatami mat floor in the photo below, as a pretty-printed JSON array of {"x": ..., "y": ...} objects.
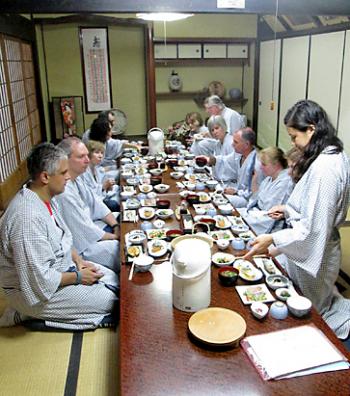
[{"x": 49, "y": 363}]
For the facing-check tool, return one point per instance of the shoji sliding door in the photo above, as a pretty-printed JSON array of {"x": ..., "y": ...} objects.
[
  {"x": 268, "y": 92},
  {"x": 326, "y": 57},
  {"x": 19, "y": 118},
  {"x": 293, "y": 80},
  {"x": 344, "y": 113}
]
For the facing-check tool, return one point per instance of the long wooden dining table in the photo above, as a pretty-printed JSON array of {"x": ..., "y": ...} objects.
[{"x": 158, "y": 357}]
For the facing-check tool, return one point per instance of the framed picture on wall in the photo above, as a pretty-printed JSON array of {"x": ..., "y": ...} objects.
[{"x": 96, "y": 69}]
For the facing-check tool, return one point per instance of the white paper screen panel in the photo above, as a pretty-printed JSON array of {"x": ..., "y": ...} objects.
[
  {"x": 293, "y": 81},
  {"x": 268, "y": 82},
  {"x": 344, "y": 114},
  {"x": 326, "y": 57}
]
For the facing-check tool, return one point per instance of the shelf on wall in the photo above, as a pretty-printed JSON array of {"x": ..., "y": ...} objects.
[
  {"x": 192, "y": 95},
  {"x": 200, "y": 62}
]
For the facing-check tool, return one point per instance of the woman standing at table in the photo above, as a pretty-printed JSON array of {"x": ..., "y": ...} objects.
[{"x": 316, "y": 208}]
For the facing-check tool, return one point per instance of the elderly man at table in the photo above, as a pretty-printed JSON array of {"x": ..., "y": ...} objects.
[
  {"x": 215, "y": 106},
  {"x": 242, "y": 167},
  {"x": 84, "y": 211},
  {"x": 41, "y": 274}
]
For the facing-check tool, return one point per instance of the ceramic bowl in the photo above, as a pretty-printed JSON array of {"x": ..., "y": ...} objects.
[
  {"x": 283, "y": 293},
  {"x": 211, "y": 184},
  {"x": 201, "y": 161},
  {"x": 124, "y": 195},
  {"x": 200, "y": 186},
  {"x": 172, "y": 163},
  {"x": 279, "y": 310},
  {"x": 136, "y": 239},
  {"x": 146, "y": 213},
  {"x": 155, "y": 180},
  {"x": 228, "y": 276},
  {"x": 164, "y": 213},
  {"x": 299, "y": 306},
  {"x": 225, "y": 209},
  {"x": 172, "y": 234},
  {"x": 222, "y": 244},
  {"x": 176, "y": 175},
  {"x": 191, "y": 186},
  {"x": 277, "y": 281},
  {"x": 200, "y": 211},
  {"x": 132, "y": 181},
  {"x": 143, "y": 263},
  {"x": 126, "y": 175},
  {"x": 163, "y": 204},
  {"x": 192, "y": 199},
  {"x": 159, "y": 224},
  {"x": 161, "y": 188},
  {"x": 156, "y": 172},
  {"x": 259, "y": 309},
  {"x": 145, "y": 188}
]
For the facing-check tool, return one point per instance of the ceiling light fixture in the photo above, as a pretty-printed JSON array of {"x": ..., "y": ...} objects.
[{"x": 163, "y": 16}]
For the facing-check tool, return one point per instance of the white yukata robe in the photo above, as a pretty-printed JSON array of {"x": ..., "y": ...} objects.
[
  {"x": 80, "y": 207},
  {"x": 222, "y": 150},
  {"x": 316, "y": 208},
  {"x": 271, "y": 192},
  {"x": 95, "y": 182},
  {"x": 34, "y": 251},
  {"x": 203, "y": 147},
  {"x": 234, "y": 120}
]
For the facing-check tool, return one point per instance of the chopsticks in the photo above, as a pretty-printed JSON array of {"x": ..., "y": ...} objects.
[{"x": 131, "y": 271}]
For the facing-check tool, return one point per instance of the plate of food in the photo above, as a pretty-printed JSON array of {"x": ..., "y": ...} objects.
[
  {"x": 252, "y": 293},
  {"x": 157, "y": 233},
  {"x": 132, "y": 203},
  {"x": 221, "y": 234},
  {"x": 267, "y": 266},
  {"x": 149, "y": 202},
  {"x": 146, "y": 212},
  {"x": 157, "y": 247},
  {"x": 136, "y": 238},
  {"x": 133, "y": 251},
  {"x": 247, "y": 271},
  {"x": 222, "y": 259},
  {"x": 164, "y": 213},
  {"x": 205, "y": 206},
  {"x": 204, "y": 197},
  {"x": 221, "y": 222},
  {"x": 145, "y": 188},
  {"x": 129, "y": 215},
  {"x": 130, "y": 189}
]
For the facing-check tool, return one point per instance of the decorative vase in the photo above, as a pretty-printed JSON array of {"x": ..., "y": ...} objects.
[{"x": 175, "y": 82}]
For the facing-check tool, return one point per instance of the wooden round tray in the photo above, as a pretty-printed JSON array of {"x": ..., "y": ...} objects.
[{"x": 217, "y": 326}]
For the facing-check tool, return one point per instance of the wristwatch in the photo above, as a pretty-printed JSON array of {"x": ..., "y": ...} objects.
[{"x": 79, "y": 278}]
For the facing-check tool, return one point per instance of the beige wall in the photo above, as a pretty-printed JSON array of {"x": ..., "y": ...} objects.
[
  {"x": 127, "y": 62},
  {"x": 197, "y": 78},
  {"x": 64, "y": 70}
]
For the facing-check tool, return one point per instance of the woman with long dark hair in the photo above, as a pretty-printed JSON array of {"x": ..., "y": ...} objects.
[{"x": 316, "y": 208}]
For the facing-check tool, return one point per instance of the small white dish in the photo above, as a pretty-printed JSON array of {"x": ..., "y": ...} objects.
[
  {"x": 176, "y": 175},
  {"x": 247, "y": 271},
  {"x": 299, "y": 306},
  {"x": 222, "y": 244},
  {"x": 157, "y": 247},
  {"x": 221, "y": 222},
  {"x": 146, "y": 212},
  {"x": 132, "y": 181},
  {"x": 156, "y": 172},
  {"x": 145, "y": 188},
  {"x": 277, "y": 281},
  {"x": 136, "y": 238},
  {"x": 161, "y": 188},
  {"x": 225, "y": 209},
  {"x": 159, "y": 223},
  {"x": 222, "y": 259},
  {"x": 259, "y": 309},
  {"x": 143, "y": 263},
  {"x": 164, "y": 213},
  {"x": 283, "y": 293}
]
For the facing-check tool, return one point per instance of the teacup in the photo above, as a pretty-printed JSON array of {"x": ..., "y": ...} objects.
[
  {"x": 238, "y": 244},
  {"x": 222, "y": 244},
  {"x": 146, "y": 225}
]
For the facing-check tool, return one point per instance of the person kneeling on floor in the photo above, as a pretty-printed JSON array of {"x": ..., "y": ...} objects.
[{"x": 40, "y": 272}]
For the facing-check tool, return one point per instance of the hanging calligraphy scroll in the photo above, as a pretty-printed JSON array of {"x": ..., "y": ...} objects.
[{"x": 96, "y": 71}]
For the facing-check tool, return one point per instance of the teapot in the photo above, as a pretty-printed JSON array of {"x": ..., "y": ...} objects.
[
  {"x": 155, "y": 141},
  {"x": 191, "y": 267}
]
